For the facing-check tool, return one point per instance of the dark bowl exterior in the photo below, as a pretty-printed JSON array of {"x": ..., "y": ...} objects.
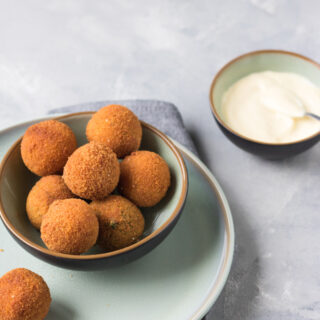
[
  {"x": 104, "y": 262},
  {"x": 265, "y": 150},
  {"x": 268, "y": 151},
  {"x": 108, "y": 259}
]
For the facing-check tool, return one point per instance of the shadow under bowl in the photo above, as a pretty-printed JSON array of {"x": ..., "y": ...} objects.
[
  {"x": 259, "y": 61},
  {"x": 16, "y": 181}
]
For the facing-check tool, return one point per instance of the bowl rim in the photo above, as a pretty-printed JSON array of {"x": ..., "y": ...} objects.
[
  {"x": 245, "y": 55},
  {"x": 99, "y": 256}
]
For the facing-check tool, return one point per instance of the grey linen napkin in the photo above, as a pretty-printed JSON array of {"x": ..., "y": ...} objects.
[{"x": 164, "y": 116}]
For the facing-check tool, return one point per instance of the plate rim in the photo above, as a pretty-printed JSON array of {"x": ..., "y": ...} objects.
[{"x": 224, "y": 271}]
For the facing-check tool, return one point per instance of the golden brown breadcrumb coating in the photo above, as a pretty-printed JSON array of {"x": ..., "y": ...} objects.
[
  {"x": 24, "y": 295},
  {"x": 144, "y": 178},
  {"x": 42, "y": 194},
  {"x": 46, "y": 146},
  {"x": 120, "y": 222},
  {"x": 92, "y": 171},
  {"x": 70, "y": 226},
  {"x": 117, "y": 127}
]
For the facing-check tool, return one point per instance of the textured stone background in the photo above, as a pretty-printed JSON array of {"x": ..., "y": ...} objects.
[{"x": 61, "y": 52}]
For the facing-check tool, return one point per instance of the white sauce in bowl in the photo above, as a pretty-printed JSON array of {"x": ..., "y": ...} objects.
[{"x": 269, "y": 107}]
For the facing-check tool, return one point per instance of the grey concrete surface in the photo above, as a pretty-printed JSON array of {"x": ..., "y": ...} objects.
[{"x": 64, "y": 52}]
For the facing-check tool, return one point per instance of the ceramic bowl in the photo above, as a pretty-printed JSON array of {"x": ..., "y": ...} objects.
[
  {"x": 258, "y": 61},
  {"x": 16, "y": 181}
]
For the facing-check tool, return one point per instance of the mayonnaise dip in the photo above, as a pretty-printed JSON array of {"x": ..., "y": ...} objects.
[{"x": 269, "y": 107}]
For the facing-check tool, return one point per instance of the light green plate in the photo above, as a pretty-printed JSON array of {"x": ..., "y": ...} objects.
[{"x": 180, "y": 279}]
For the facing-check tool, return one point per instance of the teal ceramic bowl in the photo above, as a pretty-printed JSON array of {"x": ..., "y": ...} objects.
[
  {"x": 258, "y": 61},
  {"x": 16, "y": 181}
]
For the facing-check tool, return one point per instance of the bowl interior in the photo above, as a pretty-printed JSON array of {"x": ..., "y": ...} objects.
[
  {"x": 257, "y": 62},
  {"x": 17, "y": 180}
]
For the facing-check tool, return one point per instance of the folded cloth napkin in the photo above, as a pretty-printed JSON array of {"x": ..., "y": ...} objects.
[{"x": 164, "y": 116}]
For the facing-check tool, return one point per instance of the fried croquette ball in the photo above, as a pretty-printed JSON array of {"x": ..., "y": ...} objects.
[
  {"x": 117, "y": 127},
  {"x": 70, "y": 226},
  {"x": 46, "y": 146},
  {"x": 24, "y": 295},
  {"x": 43, "y": 193},
  {"x": 120, "y": 222},
  {"x": 144, "y": 178},
  {"x": 92, "y": 171}
]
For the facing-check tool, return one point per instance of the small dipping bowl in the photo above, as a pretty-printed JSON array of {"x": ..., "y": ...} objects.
[
  {"x": 16, "y": 181},
  {"x": 259, "y": 61}
]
